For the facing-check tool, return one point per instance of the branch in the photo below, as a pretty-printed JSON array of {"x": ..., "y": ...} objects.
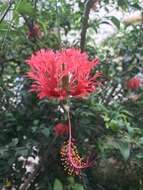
[
  {"x": 35, "y": 4},
  {"x": 8, "y": 8},
  {"x": 84, "y": 27},
  {"x": 30, "y": 179},
  {"x": 39, "y": 168},
  {"x": 28, "y": 22}
]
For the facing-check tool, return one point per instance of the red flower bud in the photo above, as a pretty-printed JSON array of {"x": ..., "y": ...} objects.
[
  {"x": 61, "y": 129},
  {"x": 134, "y": 83}
]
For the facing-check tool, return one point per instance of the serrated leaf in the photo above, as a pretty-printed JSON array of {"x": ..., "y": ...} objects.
[{"x": 58, "y": 185}]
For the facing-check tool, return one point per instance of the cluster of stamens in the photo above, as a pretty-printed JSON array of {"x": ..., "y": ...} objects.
[{"x": 71, "y": 160}]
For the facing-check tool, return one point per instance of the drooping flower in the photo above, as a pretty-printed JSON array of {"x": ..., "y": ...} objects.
[
  {"x": 61, "y": 129},
  {"x": 71, "y": 160},
  {"x": 134, "y": 83},
  {"x": 62, "y": 74}
]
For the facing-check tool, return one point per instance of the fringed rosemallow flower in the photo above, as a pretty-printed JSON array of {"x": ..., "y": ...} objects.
[
  {"x": 62, "y": 74},
  {"x": 134, "y": 83}
]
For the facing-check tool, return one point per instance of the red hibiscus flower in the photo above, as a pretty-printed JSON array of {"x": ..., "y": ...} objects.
[
  {"x": 134, "y": 83},
  {"x": 61, "y": 129},
  {"x": 62, "y": 74}
]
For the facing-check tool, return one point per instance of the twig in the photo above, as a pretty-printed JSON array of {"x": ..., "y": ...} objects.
[
  {"x": 28, "y": 22},
  {"x": 30, "y": 179},
  {"x": 85, "y": 23},
  {"x": 5, "y": 36},
  {"x": 39, "y": 169},
  {"x": 8, "y": 8},
  {"x": 35, "y": 4},
  {"x": 108, "y": 97}
]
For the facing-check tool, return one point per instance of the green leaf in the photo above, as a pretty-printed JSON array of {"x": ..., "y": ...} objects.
[
  {"x": 136, "y": 5},
  {"x": 2, "y": 151},
  {"x": 22, "y": 151},
  {"x": 14, "y": 142},
  {"x": 3, "y": 27},
  {"x": 130, "y": 130},
  {"x": 115, "y": 21},
  {"x": 70, "y": 180},
  {"x": 58, "y": 185},
  {"x": 125, "y": 150},
  {"x": 3, "y": 7},
  {"x": 36, "y": 122},
  {"x": 77, "y": 186},
  {"x": 141, "y": 141},
  {"x": 113, "y": 124},
  {"x": 123, "y": 4},
  {"x": 45, "y": 131},
  {"x": 139, "y": 156},
  {"x": 25, "y": 8}
]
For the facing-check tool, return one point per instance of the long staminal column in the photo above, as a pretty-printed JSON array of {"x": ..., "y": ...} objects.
[{"x": 70, "y": 158}]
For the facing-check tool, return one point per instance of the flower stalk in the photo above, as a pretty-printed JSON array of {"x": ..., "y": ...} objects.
[{"x": 70, "y": 158}]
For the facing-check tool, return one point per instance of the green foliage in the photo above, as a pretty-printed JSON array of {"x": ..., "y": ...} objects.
[
  {"x": 25, "y": 7},
  {"x": 58, "y": 185}
]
